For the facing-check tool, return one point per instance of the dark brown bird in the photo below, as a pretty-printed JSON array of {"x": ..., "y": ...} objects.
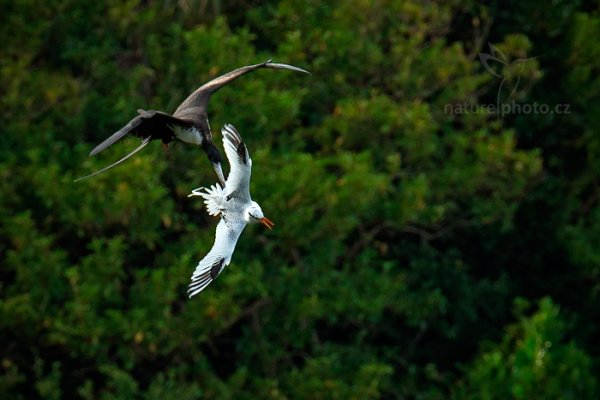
[{"x": 188, "y": 124}]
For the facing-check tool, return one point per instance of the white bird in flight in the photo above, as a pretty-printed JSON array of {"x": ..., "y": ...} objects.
[{"x": 233, "y": 204}]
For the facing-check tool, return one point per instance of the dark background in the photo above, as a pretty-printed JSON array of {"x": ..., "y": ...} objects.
[{"x": 424, "y": 248}]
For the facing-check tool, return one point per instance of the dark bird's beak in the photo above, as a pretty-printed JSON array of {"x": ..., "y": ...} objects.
[
  {"x": 219, "y": 171},
  {"x": 266, "y": 222}
]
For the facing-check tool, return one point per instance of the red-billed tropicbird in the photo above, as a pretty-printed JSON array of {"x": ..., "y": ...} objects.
[{"x": 235, "y": 207}]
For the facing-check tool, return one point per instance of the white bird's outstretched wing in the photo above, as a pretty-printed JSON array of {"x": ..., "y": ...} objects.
[
  {"x": 217, "y": 258},
  {"x": 240, "y": 164}
]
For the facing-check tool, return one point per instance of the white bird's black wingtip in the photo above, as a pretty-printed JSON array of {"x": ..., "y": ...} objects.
[
  {"x": 231, "y": 135},
  {"x": 229, "y": 129},
  {"x": 201, "y": 281}
]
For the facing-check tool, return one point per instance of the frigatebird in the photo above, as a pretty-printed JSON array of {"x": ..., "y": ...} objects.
[{"x": 188, "y": 124}]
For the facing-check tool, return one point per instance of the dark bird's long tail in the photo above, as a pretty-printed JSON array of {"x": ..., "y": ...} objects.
[{"x": 141, "y": 146}]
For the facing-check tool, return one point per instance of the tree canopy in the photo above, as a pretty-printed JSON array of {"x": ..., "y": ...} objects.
[{"x": 427, "y": 245}]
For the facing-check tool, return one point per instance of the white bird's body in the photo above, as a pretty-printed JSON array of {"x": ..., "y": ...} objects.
[{"x": 235, "y": 207}]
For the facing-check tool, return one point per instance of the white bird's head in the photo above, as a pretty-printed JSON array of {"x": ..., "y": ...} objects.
[{"x": 254, "y": 214}]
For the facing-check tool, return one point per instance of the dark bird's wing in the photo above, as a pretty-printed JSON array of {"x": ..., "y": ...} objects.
[
  {"x": 141, "y": 146},
  {"x": 240, "y": 164},
  {"x": 152, "y": 124},
  {"x": 115, "y": 137},
  {"x": 217, "y": 258},
  {"x": 197, "y": 102}
]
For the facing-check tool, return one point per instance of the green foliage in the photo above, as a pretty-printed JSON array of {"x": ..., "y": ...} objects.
[
  {"x": 533, "y": 361},
  {"x": 405, "y": 231}
]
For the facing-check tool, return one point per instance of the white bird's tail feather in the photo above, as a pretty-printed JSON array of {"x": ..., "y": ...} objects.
[{"x": 212, "y": 196}]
